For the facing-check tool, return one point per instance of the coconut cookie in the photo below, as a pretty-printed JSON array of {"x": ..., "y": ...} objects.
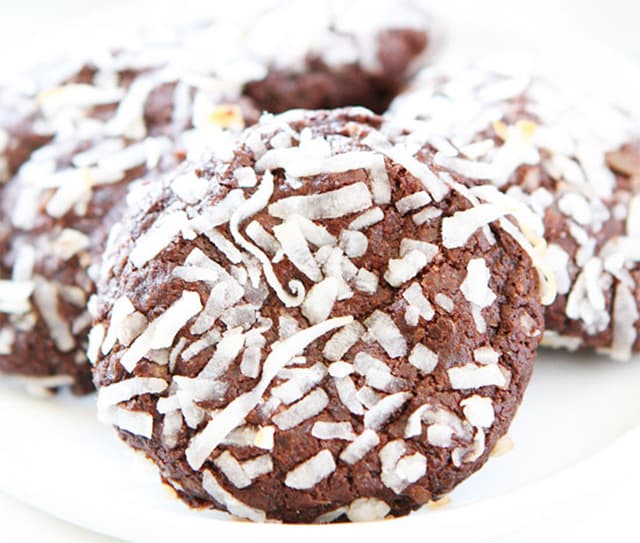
[
  {"x": 286, "y": 341},
  {"x": 326, "y": 54},
  {"x": 571, "y": 161}
]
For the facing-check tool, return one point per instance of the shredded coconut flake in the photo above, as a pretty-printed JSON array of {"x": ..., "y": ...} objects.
[
  {"x": 486, "y": 355},
  {"x": 232, "y": 470},
  {"x": 360, "y": 446},
  {"x": 475, "y": 286},
  {"x": 474, "y": 376},
  {"x": 423, "y": 358},
  {"x": 439, "y": 435},
  {"x": 190, "y": 187},
  {"x": 342, "y": 341},
  {"x": 262, "y": 238},
  {"x": 412, "y": 468},
  {"x": 121, "y": 309},
  {"x": 387, "y": 334},
  {"x": 261, "y": 465},
  {"x": 7, "y": 338},
  {"x": 633, "y": 217},
  {"x": 348, "y": 394},
  {"x": 558, "y": 261},
  {"x": 246, "y": 177},
  {"x": 625, "y": 317},
  {"x": 229, "y": 502},
  {"x": 162, "y": 233},
  {"x": 426, "y": 215},
  {"x": 333, "y": 430},
  {"x": 310, "y": 406},
  {"x": 330, "y": 516},
  {"x": 353, "y": 243},
  {"x": 46, "y": 298},
  {"x": 171, "y": 426},
  {"x": 328, "y": 205},
  {"x": 314, "y": 233},
  {"x": 264, "y": 438},
  {"x": 368, "y": 218},
  {"x": 227, "y": 350},
  {"x": 311, "y": 472},
  {"x": 294, "y": 245},
  {"x": 478, "y": 410},
  {"x": 457, "y": 229},
  {"x": 399, "y": 471},
  {"x": 135, "y": 422},
  {"x": 416, "y": 298},
  {"x": 401, "y": 270},
  {"x": 319, "y": 301},
  {"x": 162, "y": 331},
  {"x": 366, "y": 281},
  {"x": 96, "y": 336},
  {"x": 195, "y": 348},
  {"x": 412, "y": 202},
  {"x": 129, "y": 388},
  {"x": 340, "y": 369},
  {"x": 378, "y": 374},
  {"x": 69, "y": 243},
  {"x": 300, "y": 381},
  {"x": 14, "y": 296},
  {"x": 445, "y": 302},
  {"x": 227, "y": 248},
  {"x": 380, "y": 413},
  {"x": 219, "y": 213},
  {"x": 367, "y": 510}
]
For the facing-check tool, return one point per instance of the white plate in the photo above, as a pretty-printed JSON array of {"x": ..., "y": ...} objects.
[{"x": 579, "y": 422}]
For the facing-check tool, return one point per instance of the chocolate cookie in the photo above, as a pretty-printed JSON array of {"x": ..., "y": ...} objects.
[
  {"x": 132, "y": 113},
  {"x": 286, "y": 341},
  {"x": 569, "y": 159},
  {"x": 327, "y": 54}
]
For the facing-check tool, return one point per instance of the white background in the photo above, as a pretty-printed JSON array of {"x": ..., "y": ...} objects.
[{"x": 26, "y": 30}]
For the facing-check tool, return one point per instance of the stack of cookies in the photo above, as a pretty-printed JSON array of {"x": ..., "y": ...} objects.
[{"x": 307, "y": 276}]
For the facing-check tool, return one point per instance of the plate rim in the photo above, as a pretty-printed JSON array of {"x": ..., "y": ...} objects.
[{"x": 572, "y": 483}]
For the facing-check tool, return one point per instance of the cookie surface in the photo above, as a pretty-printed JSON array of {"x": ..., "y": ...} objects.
[
  {"x": 138, "y": 112},
  {"x": 573, "y": 161},
  {"x": 286, "y": 341}
]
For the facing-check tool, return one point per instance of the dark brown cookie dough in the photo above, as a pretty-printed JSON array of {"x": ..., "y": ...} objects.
[
  {"x": 574, "y": 162},
  {"x": 286, "y": 342},
  {"x": 320, "y": 86}
]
